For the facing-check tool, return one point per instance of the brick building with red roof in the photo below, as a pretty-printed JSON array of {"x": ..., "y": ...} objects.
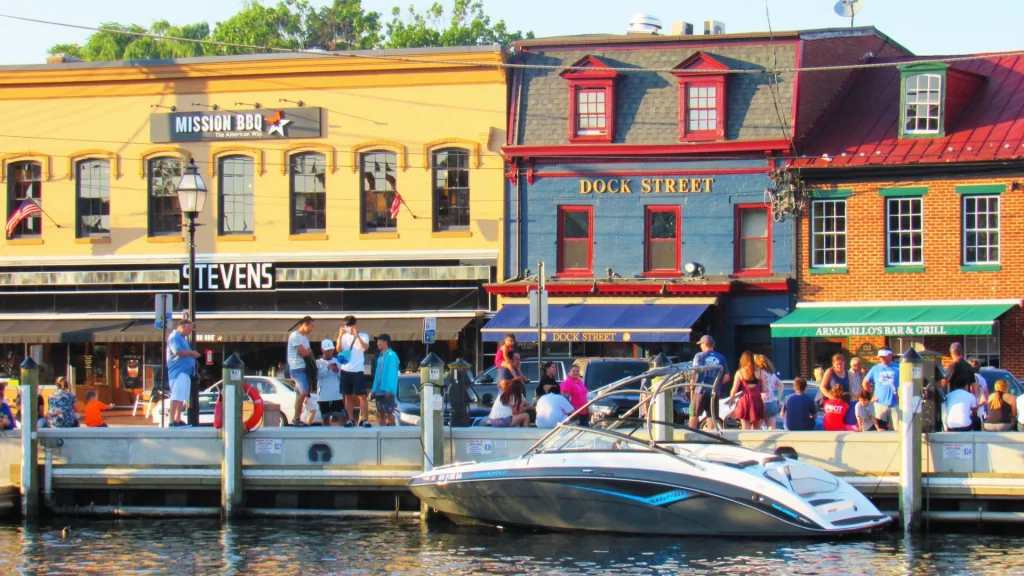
[{"x": 914, "y": 185}]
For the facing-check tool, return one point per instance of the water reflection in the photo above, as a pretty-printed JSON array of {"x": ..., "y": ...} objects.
[{"x": 409, "y": 547}]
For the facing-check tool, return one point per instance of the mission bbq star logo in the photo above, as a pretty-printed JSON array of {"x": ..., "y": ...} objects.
[{"x": 276, "y": 123}]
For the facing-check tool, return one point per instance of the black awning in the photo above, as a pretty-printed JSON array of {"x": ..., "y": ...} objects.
[{"x": 61, "y": 331}]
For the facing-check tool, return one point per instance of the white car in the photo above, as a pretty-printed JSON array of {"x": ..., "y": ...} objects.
[{"x": 280, "y": 391}]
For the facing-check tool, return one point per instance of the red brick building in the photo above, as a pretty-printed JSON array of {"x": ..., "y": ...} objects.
[{"x": 911, "y": 232}]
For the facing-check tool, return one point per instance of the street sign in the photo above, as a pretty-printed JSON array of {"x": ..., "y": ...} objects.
[
  {"x": 163, "y": 310},
  {"x": 429, "y": 330},
  {"x": 538, "y": 306}
]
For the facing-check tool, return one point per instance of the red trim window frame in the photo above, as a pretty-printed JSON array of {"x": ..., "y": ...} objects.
[
  {"x": 593, "y": 78},
  {"x": 739, "y": 238},
  {"x": 589, "y": 240},
  {"x": 649, "y": 241},
  {"x": 701, "y": 71}
]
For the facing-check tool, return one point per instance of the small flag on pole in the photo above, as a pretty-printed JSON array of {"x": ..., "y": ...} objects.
[
  {"x": 27, "y": 209},
  {"x": 396, "y": 205}
]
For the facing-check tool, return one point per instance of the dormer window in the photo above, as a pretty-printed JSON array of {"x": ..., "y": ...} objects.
[
  {"x": 933, "y": 96},
  {"x": 702, "y": 98},
  {"x": 922, "y": 97},
  {"x": 591, "y": 101}
]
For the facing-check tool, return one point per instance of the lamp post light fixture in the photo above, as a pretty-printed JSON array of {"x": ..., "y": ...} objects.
[{"x": 192, "y": 198}]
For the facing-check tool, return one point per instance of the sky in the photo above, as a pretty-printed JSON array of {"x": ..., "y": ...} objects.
[{"x": 923, "y": 26}]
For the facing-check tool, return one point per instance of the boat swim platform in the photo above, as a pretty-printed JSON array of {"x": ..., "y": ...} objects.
[{"x": 368, "y": 468}]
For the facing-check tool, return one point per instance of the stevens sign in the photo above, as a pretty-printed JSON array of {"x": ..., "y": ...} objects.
[
  {"x": 223, "y": 277},
  {"x": 276, "y": 124}
]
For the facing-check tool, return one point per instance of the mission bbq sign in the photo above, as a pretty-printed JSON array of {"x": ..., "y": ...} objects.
[
  {"x": 261, "y": 124},
  {"x": 647, "y": 186}
]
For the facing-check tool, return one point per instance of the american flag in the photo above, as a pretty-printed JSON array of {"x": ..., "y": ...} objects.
[
  {"x": 28, "y": 208},
  {"x": 396, "y": 205}
]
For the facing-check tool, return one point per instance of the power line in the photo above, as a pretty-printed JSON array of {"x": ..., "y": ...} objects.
[{"x": 419, "y": 60}]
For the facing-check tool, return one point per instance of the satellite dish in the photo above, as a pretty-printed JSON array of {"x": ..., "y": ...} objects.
[{"x": 849, "y": 8}]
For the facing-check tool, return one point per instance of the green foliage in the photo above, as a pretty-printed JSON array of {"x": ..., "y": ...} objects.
[{"x": 295, "y": 24}]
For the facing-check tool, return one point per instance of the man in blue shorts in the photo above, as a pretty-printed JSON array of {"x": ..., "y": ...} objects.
[{"x": 298, "y": 350}]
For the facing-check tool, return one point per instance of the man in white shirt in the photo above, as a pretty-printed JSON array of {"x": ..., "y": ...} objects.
[
  {"x": 353, "y": 344},
  {"x": 298, "y": 350},
  {"x": 328, "y": 378},
  {"x": 961, "y": 409},
  {"x": 552, "y": 408}
]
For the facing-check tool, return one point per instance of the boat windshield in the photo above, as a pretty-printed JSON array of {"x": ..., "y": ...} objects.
[{"x": 570, "y": 439}]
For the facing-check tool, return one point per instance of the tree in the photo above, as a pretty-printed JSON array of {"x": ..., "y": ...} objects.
[
  {"x": 257, "y": 25},
  {"x": 104, "y": 46},
  {"x": 469, "y": 26},
  {"x": 343, "y": 25}
]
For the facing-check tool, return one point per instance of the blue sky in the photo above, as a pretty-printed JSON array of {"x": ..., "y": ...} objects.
[{"x": 923, "y": 26}]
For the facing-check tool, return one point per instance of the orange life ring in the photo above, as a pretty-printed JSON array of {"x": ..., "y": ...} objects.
[{"x": 257, "y": 409}]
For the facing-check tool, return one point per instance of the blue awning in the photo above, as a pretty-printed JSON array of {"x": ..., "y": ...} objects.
[{"x": 598, "y": 323}]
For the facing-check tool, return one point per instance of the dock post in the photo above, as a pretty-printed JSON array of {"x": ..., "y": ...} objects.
[
  {"x": 431, "y": 415},
  {"x": 911, "y": 379},
  {"x": 29, "y": 438},
  {"x": 231, "y": 465},
  {"x": 662, "y": 410}
]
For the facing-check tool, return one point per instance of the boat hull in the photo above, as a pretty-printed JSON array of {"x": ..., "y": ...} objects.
[{"x": 647, "y": 502}]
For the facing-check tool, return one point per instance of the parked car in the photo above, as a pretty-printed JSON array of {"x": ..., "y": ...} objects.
[
  {"x": 991, "y": 375},
  {"x": 599, "y": 372},
  {"x": 280, "y": 391},
  {"x": 486, "y": 386},
  {"x": 409, "y": 400}
]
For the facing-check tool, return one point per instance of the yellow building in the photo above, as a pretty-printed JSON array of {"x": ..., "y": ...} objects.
[{"x": 303, "y": 156}]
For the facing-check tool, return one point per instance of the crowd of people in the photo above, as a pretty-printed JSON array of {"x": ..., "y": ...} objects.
[{"x": 554, "y": 402}]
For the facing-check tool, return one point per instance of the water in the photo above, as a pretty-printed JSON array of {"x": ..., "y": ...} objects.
[{"x": 408, "y": 547}]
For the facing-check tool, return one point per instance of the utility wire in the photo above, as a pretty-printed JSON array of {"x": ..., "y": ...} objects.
[{"x": 418, "y": 60}]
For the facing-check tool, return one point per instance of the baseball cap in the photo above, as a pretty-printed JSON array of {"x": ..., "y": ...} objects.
[
  {"x": 384, "y": 337},
  {"x": 885, "y": 352},
  {"x": 706, "y": 339},
  {"x": 327, "y": 344}
]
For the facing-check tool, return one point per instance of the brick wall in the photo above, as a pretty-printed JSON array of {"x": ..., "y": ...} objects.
[{"x": 866, "y": 279}]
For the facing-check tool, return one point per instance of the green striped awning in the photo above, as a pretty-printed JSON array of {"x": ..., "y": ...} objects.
[{"x": 938, "y": 318}]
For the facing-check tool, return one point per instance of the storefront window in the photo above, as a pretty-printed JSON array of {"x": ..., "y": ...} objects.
[
  {"x": 93, "y": 187},
  {"x": 24, "y": 181},
  {"x": 309, "y": 193},
  {"x": 984, "y": 348},
  {"x": 236, "y": 195},
  {"x": 379, "y": 186},
  {"x": 451, "y": 189},
  {"x": 753, "y": 239},
  {"x": 164, "y": 209}
]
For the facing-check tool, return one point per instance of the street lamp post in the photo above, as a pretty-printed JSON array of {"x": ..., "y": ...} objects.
[{"x": 192, "y": 198}]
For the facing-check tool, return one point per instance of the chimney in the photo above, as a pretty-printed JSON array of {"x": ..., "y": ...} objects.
[
  {"x": 680, "y": 28},
  {"x": 713, "y": 27},
  {"x": 644, "y": 24},
  {"x": 62, "y": 58}
]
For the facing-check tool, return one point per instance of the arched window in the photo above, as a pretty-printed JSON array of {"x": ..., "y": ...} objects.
[
  {"x": 164, "y": 209},
  {"x": 236, "y": 198},
  {"x": 92, "y": 181},
  {"x": 309, "y": 193},
  {"x": 379, "y": 186},
  {"x": 24, "y": 181},
  {"x": 451, "y": 189}
]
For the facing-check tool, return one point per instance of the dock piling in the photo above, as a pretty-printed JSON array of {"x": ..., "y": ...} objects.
[
  {"x": 29, "y": 438},
  {"x": 231, "y": 466},
  {"x": 662, "y": 410},
  {"x": 911, "y": 378}
]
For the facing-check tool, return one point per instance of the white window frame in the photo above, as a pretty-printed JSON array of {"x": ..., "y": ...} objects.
[
  {"x": 988, "y": 230},
  {"x": 922, "y": 100},
  {"x": 984, "y": 348},
  {"x": 904, "y": 234},
  {"x": 825, "y": 233}
]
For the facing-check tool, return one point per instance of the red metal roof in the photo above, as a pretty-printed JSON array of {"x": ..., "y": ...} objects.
[{"x": 863, "y": 128}]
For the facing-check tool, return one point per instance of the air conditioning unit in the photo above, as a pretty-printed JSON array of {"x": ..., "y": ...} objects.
[
  {"x": 680, "y": 28},
  {"x": 714, "y": 27}
]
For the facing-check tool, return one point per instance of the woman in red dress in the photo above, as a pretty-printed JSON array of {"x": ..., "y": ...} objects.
[{"x": 750, "y": 408}]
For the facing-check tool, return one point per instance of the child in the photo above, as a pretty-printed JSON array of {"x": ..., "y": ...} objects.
[
  {"x": 835, "y": 409},
  {"x": 93, "y": 409},
  {"x": 799, "y": 411},
  {"x": 865, "y": 410}
]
